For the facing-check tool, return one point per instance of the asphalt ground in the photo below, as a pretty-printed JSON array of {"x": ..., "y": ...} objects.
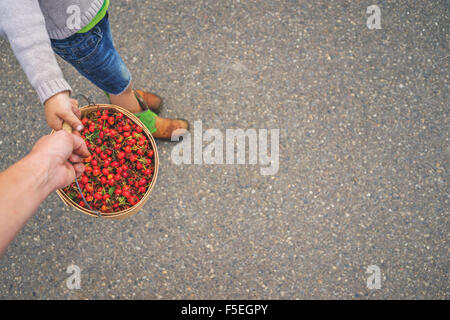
[{"x": 363, "y": 157}]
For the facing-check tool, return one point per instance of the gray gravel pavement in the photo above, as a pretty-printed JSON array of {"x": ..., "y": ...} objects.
[{"x": 364, "y": 149}]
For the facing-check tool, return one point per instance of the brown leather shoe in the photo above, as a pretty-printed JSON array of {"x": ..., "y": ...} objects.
[
  {"x": 165, "y": 127},
  {"x": 153, "y": 101}
]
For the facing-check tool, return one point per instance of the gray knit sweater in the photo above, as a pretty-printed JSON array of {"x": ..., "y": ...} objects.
[{"x": 28, "y": 25}]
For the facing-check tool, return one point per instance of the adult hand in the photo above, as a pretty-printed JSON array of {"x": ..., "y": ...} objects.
[
  {"x": 63, "y": 154},
  {"x": 53, "y": 163},
  {"x": 61, "y": 107}
]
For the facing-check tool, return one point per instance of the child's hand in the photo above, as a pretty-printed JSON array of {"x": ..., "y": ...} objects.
[{"x": 61, "y": 107}]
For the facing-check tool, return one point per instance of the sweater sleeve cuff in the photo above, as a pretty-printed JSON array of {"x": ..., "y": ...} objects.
[{"x": 47, "y": 89}]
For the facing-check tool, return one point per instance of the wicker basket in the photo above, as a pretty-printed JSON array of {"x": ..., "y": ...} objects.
[{"x": 134, "y": 209}]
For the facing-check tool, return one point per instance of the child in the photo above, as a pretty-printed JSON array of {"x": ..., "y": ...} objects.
[{"x": 78, "y": 31}]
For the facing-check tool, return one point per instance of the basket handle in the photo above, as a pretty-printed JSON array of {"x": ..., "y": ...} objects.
[
  {"x": 67, "y": 127},
  {"x": 88, "y": 99}
]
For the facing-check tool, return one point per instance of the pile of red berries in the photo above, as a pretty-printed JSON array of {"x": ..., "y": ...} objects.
[{"x": 120, "y": 168}]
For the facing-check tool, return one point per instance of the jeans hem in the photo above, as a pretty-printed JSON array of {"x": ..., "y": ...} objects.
[{"x": 118, "y": 94}]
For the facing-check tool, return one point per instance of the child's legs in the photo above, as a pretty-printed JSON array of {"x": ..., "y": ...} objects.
[
  {"x": 126, "y": 100},
  {"x": 94, "y": 56}
]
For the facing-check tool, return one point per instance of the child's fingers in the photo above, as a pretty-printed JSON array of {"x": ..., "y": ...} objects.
[
  {"x": 54, "y": 122},
  {"x": 74, "y": 102},
  {"x": 72, "y": 119},
  {"x": 75, "y": 109}
]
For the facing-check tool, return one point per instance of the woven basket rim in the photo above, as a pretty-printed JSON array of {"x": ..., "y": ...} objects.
[{"x": 134, "y": 209}]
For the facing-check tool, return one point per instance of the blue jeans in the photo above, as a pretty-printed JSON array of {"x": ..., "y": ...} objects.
[{"x": 94, "y": 56}]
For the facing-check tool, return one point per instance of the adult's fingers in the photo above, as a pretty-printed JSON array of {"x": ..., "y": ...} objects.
[
  {"x": 74, "y": 158},
  {"x": 77, "y": 133},
  {"x": 79, "y": 169},
  {"x": 79, "y": 146}
]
